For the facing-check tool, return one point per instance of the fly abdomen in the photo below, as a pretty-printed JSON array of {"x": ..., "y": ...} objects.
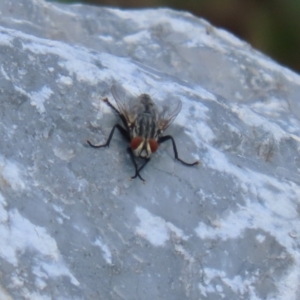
[{"x": 147, "y": 104}]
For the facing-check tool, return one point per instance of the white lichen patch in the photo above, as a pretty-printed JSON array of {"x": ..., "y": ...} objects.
[
  {"x": 155, "y": 229},
  {"x": 3, "y": 212},
  {"x": 4, "y": 294},
  {"x": 65, "y": 80},
  {"x": 22, "y": 236},
  {"x": 63, "y": 153},
  {"x": 105, "y": 250},
  {"x": 38, "y": 98},
  {"x": 10, "y": 175},
  {"x": 151, "y": 228}
]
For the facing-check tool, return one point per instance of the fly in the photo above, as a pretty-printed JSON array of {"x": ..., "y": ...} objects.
[{"x": 144, "y": 125}]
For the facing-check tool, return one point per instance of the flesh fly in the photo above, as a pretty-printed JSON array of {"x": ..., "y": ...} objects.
[{"x": 144, "y": 124}]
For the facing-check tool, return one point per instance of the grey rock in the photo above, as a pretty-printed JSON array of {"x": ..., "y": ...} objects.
[{"x": 72, "y": 224}]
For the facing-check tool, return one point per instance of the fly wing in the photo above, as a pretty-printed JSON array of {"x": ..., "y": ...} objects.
[
  {"x": 125, "y": 102},
  {"x": 168, "y": 113}
]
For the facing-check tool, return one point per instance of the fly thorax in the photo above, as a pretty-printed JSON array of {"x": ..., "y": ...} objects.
[{"x": 145, "y": 126}]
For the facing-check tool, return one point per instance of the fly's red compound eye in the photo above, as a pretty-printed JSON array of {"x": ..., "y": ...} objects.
[
  {"x": 136, "y": 142},
  {"x": 153, "y": 145}
]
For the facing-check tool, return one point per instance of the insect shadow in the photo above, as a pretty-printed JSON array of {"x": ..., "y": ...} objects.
[{"x": 144, "y": 123}]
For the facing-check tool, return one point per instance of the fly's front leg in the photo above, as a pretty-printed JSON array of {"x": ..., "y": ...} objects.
[
  {"x": 169, "y": 137},
  {"x": 137, "y": 170},
  {"x": 122, "y": 131},
  {"x": 144, "y": 164}
]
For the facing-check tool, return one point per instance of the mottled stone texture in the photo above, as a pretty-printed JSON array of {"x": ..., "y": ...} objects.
[{"x": 72, "y": 224}]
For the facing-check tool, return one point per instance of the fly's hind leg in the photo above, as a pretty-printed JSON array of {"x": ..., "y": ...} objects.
[
  {"x": 169, "y": 137},
  {"x": 111, "y": 106},
  {"x": 121, "y": 116}
]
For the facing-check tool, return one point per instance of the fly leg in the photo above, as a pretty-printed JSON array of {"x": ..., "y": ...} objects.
[
  {"x": 122, "y": 131},
  {"x": 121, "y": 116},
  {"x": 169, "y": 137},
  {"x": 137, "y": 170},
  {"x": 144, "y": 164},
  {"x": 111, "y": 106}
]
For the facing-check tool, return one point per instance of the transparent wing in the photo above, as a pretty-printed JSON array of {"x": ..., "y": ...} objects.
[
  {"x": 125, "y": 102},
  {"x": 167, "y": 113}
]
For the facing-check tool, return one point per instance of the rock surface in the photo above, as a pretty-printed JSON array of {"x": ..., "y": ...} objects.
[{"x": 72, "y": 226}]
